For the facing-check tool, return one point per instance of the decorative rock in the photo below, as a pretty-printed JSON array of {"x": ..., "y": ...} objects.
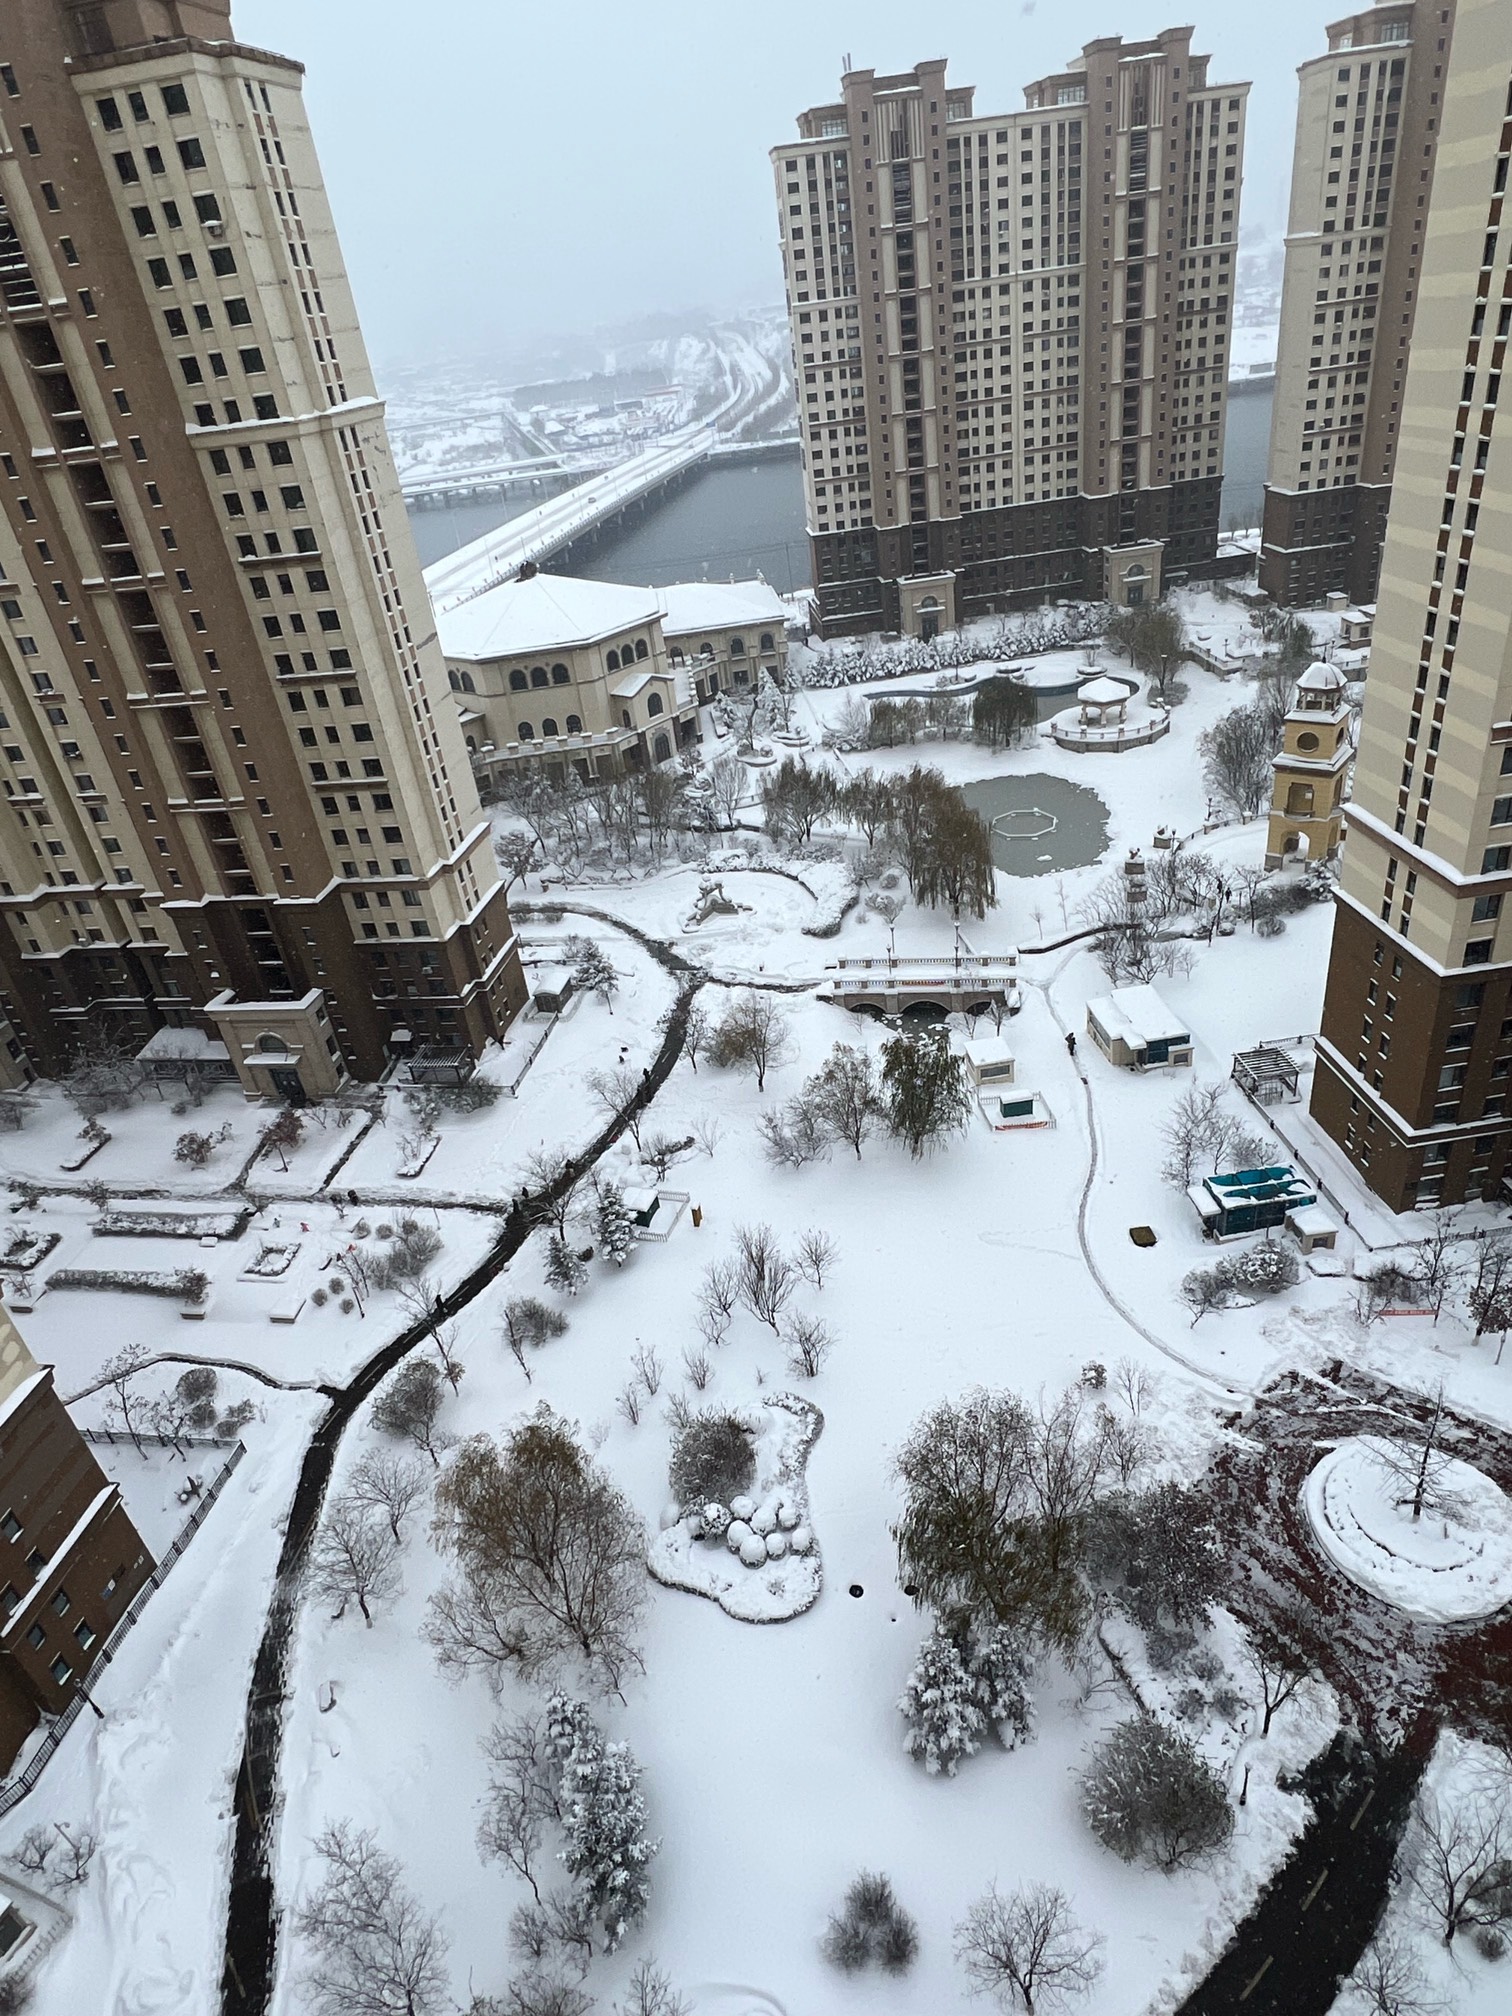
[
  {"x": 776, "y": 1546},
  {"x": 787, "y": 1516},
  {"x": 764, "y": 1520},
  {"x": 737, "y": 1535},
  {"x": 716, "y": 1519},
  {"x": 742, "y": 1507},
  {"x": 753, "y": 1551},
  {"x": 800, "y": 1539}
]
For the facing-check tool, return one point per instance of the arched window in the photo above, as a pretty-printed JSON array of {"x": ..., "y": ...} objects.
[
  {"x": 612, "y": 661},
  {"x": 467, "y": 683},
  {"x": 270, "y": 1045},
  {"x": 472, "y": 745},
  {"x": 640, "y": 647},
  {"x": 653, "y": 703},
  {"x": 527, "y": 733},
  {"x": 706, "y": 650},
  {"x": 560, "y": 676},
  {"x": 518, "y": 683},
  {"x": 675, "y": 654},
  {"x": 661, "y": 749},
  {"x": 574, "y": 724},
  {"x": 549, "y": 727},
  {"x": 768, "y": 642},
  {"x": 625, "y": 717},
  {"x": 539, "y": 676},
  {"x": 453, "y": 680},
  {"x": 737, "y": 647}
]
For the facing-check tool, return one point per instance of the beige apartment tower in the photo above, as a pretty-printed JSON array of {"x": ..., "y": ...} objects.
[
  {"x": 235, "y": 776},
  {"x": 1362, "y": 179},
  {"x": 1011, "y": 332},
  {"x": 1415, "y": 1057}
]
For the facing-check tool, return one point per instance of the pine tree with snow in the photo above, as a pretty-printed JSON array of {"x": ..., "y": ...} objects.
[
  {"x": 564, "y": 1270},
  {"x": 608, "y": 1852},
  {"x": 942, "y": 1706},
  {"x": 1000, "y": 1667},
  {"x": 611, "y": 1224}
]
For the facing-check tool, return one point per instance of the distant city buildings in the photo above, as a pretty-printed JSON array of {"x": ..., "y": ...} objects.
[
  {"x": 1362, "y": 181},
  {"x": 238, "y": 798},
  {"x": 594, "y": 678},
  {"x": 70, "y": 1558},
  {"x": 1011, "y": 332},
  {"x": 1414, "y": 1069}
]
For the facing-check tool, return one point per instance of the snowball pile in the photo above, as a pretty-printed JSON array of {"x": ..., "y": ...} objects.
[{"x": 756, "y": 1533}]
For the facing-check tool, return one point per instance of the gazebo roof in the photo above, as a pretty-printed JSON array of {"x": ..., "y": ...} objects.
[
  {"x": 1102, "y": 692},
  {"x": 1321, "y": 678}
]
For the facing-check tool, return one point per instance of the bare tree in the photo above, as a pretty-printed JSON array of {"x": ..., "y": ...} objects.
[
  {"x": 816, "y": 1255},
  {"x": 698, "y": 1367},
  {"x": 649, "y": 1992},
  {"x": 389, "y": 1484},
  {"x": 282, "y": 1135},
  {"x": 126, "y": 1405},
  {"x": 793, "y": 1135},
  {"x": 1236, "y": 758},
  {"x": 1277, "y": 1668},
  {"x": 529, "y": 1321},
  {"x": 1390, "y": 1981},
  {"x": 616, "y": 1092},
  {"x": 648, "y": 1368},
  {"x": 355, "y": 1559},
  {"x": 1203, "y": 1290},
  {"x": 1026, "y": 1950},
  {"x": 697, "y": 1026},
  {"x": 766, "y": 1278},
  {"x": 846, "y": 1096},
  {"x": 553, "y": 1185},
  {"x": 421, "y": 1302},
  {"x": 1438, "y": 1270},
  {"x": 728, "y": 780},
  {"x": 1419, "y": 1462},
  {"x": 374, "y": 1950},
  {"x": 1460, "y": 1856},
  {"x": 521, "y": 1798},
  {"x": 550, "y": 1557},
  {"x": 1490, "y": 1296},
  {"x": 808, "y": 1342},
  {"x": 408, "y": 1406},
  {"x": 718, "y": 1296},
  {"x": 752, "y": 1035},
  {"x": 1133, "y": 1385}
]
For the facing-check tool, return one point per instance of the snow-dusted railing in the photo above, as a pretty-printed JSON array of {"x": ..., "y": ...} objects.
[
  {"x": 16, "y": 1789},
  {"x": 118, "y": 1437}
]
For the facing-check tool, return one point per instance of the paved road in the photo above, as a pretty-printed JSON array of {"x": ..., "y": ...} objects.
[{"x": 1306, "y": 1934}]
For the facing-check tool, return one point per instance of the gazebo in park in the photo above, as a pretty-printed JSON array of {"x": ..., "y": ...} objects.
[{"x": 1104, "y": 703}]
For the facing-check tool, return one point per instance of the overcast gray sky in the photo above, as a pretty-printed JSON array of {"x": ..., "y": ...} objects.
[{"x": 505, "y": 170}]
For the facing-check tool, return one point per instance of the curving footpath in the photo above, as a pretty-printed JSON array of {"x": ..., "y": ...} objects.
[{"x": 253, "y": 1915}]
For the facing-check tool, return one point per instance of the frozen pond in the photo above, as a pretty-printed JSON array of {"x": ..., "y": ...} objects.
[{"x": 1040, "y": 824}]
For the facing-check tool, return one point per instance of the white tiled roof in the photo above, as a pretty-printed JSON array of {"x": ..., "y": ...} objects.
[
  {"x": 697, "y": 606},
  {"x": 549, "y": 612}
]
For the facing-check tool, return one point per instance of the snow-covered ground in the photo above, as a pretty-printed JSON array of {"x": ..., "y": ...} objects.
[{"x": 773, "y": 1752}]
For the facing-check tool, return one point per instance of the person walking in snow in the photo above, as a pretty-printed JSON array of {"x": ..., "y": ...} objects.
[{"x": 1071, "y": 1043}]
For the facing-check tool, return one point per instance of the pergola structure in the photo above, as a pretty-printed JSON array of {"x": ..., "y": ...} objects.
[{"x": 1268, "y": 1076}]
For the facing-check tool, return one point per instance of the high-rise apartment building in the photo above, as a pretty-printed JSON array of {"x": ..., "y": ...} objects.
[
  {"x": 238, "y": 794},
  {"x": 1362, "y": 179},
  {"x": 1414, "y": 1067},
  {"x": 1011, "y": 333},
  {"x": 70, "y": 1558}
]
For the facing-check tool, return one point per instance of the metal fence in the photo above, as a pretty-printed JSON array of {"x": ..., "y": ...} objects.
[{"x": 16, "y": 1789}]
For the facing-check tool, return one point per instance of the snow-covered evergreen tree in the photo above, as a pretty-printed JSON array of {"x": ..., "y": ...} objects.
[
  {"x": 611, "y": 1224},
  {"x": 608, "y": 1852},
  {"x": 942, "y": 1706},
  {"x": 564, "y": 1270},
  {"x": 1000, "y": 1667}
]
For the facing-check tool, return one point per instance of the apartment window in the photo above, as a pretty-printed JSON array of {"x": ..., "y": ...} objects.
[
  {"x": 252, "y": 360},
  {"x": 1478, "y": 952},
  {"x": 143, "y": 220},
  {"x": 84, "y": 1633},
  {"x": 191, "y": 153},
  {"x": 193, "y": 373},
  {"x": 292, "y": 496},
  {"x": 238, "y": 314},
  {"x": 1495, "y": 860},
  {"x": 1486, "y": 907},
  {"x": 222, "y": 261},
  {"x": 36, "y": 1637},
  {"x": 1501, "y": 812},
  {"x": 60, "y": 1669},
  {"x": 175, "y": 100},
  {"x": 8, "y": 79},
  {"x": 110, "y": 114},
  {"x": 61, "y": 1603},
  {"x": 158, "y": 273},
  {"x": 126, "y": 168},
  {"x": 208, "y": 210},
  {"x": 10, "y": 1526}
]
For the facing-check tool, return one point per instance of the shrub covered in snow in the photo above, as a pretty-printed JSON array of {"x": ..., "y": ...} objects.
[
  {"x": 1159, "y": 1552},
  {"x": 608, "y": 1852},
  {"x": 1149, "y": 1794},
  {"x": 712, "y": 1459},
  {"x": 872, "y": 1928}
]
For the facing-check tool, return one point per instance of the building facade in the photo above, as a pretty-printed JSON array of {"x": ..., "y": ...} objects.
[
  {"x": 233, "y": 769},
  {"x": 600, "y": 678},
  {"x": 1362, "y": 180},
  {"x": 1011, "y": 333},
  {"x": 1414, "y": 1065},
  {"x": 70, "y": 1558}
]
